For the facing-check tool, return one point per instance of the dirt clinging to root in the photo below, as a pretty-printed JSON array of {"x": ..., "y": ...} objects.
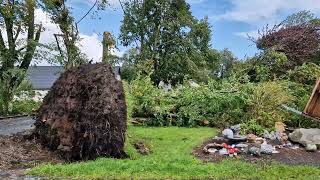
[{"x": 84, "y": 114}]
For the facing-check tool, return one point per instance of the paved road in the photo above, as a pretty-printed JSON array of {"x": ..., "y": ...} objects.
[{"x": 13, "y": 126}]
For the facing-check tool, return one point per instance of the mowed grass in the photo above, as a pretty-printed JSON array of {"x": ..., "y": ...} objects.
[{"x": 171, "y": 158}]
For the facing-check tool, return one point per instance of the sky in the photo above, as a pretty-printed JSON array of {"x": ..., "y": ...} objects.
[{"x": 231, "y": 22}]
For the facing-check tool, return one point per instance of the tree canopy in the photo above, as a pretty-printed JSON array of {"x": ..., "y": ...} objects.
[{"x": 167, "y": 34}]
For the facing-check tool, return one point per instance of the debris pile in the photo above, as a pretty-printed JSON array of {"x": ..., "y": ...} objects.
[
  {"x": 231, "y": 143},
  {"x": 84, "y": 114}
]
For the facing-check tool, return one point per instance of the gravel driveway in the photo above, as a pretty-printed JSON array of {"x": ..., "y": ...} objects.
[{"x": 13, "y": 126}]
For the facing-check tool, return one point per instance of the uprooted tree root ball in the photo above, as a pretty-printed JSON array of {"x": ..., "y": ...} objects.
[{"x": 84, "y": 115}]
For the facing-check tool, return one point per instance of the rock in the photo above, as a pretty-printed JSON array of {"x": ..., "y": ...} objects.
[
  {"x": 223, "y": 151},
  {"x": 259, "y": 140},
  {"x": 251, "y": 138},
  {"x": 277, "y": 135},
  {"x": 212, "y": 146},
  {"x": 241, "y": 146},
  {"x": 212, "y": 150},
  {"x": 311, "y": 147},
  {"x": 266, "y": 135},
  {"x": 306, "y": 136},
  {"x": 220, "y": 140},
  {"x": 266, "y": 149},
  {"x": 227, "y": 133},
  {"x": 283, "y": 137},
  {"x": 193, "y": 84},
  {"x": 280, "y": 127},
  {"x": 272, "y": 135},
  {"x": 255, "y": 151},
  {"x": 236, "y": 129}
]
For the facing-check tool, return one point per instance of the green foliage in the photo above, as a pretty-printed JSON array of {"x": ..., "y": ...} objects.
[
  {"x": 220, "y": 104},
  {"x": 25, "y": 107},
  {"x": 145, "y": 96},
  {"x": 22, "y": 102},
  {"x": 252, "y": 127},
  {"x": 166, "y": 33},
  {"x": 306, "y": 74},
  {"x": 265, "y": 103}
]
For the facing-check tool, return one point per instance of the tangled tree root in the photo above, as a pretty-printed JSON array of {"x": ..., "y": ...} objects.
[{"x": 84, "y": 114}]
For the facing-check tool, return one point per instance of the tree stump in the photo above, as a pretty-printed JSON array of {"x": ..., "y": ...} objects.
[{"x": 84, "y": 115}]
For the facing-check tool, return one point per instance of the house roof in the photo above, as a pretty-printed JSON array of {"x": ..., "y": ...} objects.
[{"x": 43, "y": 77}]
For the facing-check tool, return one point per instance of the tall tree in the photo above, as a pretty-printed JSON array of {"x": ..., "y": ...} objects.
[
  {"x": 167, "y": 34},
  {"x": 19, "y": 38}
]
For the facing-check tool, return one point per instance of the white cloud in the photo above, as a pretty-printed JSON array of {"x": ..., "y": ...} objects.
[
  {"x": 89, "y": 44},
  {"x": 266, "y": 11},
  {"x": 196, "y": 1},
  {"x": 254, "y": 34},
  {"x": 258, "y": 13}
]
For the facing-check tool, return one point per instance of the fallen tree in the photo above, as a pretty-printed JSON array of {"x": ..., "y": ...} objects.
[{"x": 84, "y": 114}]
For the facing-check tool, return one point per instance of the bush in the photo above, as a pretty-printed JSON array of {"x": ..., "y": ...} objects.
[
  {"x": 215, "y": 104},
  {"x": 221, "y": 104},
  {"x": 266, "y": 101},
  {"x": 25, "y": 107}
]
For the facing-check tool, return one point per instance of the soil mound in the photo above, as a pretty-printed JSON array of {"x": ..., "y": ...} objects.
[{"x": 84, "y": 114}]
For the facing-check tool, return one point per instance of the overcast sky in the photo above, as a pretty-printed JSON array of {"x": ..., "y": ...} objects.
[{"x": 231, "y": 21}]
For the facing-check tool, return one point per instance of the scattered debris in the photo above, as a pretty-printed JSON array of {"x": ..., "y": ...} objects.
[
  {"x": 22, "y": 151},
  {"x": 275, "y": 144},
  {"x": 141, "y": 148}
]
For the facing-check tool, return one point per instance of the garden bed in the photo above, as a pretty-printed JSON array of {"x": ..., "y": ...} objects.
[{"x": 286, "y": 156}]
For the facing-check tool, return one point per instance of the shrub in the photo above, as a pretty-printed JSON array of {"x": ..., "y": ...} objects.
[
  {"x": 266, "y": 101},
  {"x": 25, "y": 106},
  {"x": 220, "y": 104},
  {"x": 306, "y": 74}
]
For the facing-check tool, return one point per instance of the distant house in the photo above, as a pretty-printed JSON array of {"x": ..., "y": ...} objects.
[{"x": 43, "y": 77}]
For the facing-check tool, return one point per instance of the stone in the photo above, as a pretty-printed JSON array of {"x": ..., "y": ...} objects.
[
  {"x": 220, "y": 140},
  {"x": 223, "y": 151},
  {"x": 306, "y": 136},
  {"x": 212, "y": 150},
  {"x": 193, "y": 84},
  {"x": 259, "y": 140},
  {"x": 227, "y": 133},
  {"x": 255, "y": 151},
  {"x": 266, "y": 149},
  {"x": 251, "y": 138},
  {"x": 311, "y": 147},
  {"x": 266, "y": 134},
  {"x": 280, "y": 127},
  {"x": 272, "y": 135},
  {"x": 283, "y": 137},
  {"x": 236, "y": 129},
  {"x": 241, "y": 146}
]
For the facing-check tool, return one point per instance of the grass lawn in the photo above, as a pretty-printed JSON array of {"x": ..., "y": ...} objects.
[{"x": 171, "y": 158}]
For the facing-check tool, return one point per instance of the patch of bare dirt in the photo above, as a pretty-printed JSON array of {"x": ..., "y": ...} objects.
[
  {"x": 141, "y": 148},
  {"x": 286, "y": 156},
  {"x": 22, "y": 152}
]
